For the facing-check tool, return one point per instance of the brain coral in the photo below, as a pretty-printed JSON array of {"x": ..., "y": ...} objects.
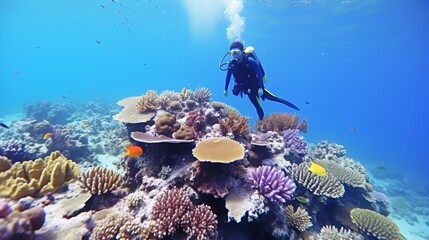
[
  {"x": 328, "y": 185},
  {"x": 375, "y": 224}
]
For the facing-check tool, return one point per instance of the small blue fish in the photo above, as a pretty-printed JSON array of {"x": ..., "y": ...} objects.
[{"x": 4, "y": 125}]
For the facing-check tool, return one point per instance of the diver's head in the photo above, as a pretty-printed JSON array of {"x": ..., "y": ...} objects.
[{"x": 236, "y": 51}]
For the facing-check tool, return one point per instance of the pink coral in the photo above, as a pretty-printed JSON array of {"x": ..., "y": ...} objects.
[
  {"x": 168, "y": 211},
  {"x": 201, "y": 223}
]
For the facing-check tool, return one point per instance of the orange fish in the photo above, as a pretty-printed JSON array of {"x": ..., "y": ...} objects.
[
  {"x": 47, "y": 135},
  {"x": 85, "y": 123},
  {"x": 133, "y": 151}
]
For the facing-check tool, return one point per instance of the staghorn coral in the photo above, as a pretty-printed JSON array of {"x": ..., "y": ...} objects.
[
  {"x": 166, "y": 124},
  {"x": 299, "y": 218},
  {"x": 167, "y": 96},
  {"x": 328, "y": 185},
  {"x": 280, "y": 122},
  {"x": 202, "y": 95},
  {"x": 130, "y": 113},
  {"x": 99, "y": 180},
  {"x": 375, "y": 224},
  {"x": 116, "y": 226},
  {"x": 220, "y": 150},
  {"x": 200, "y": 223},
  {"x": 272, "y": 183},
  {"x": 295, "y": 144},
  {"x": 38, "y": 176},
  {"x": 147, "y": 102},
  {"x": 235, "y": 124},
  {"x": 343, "y": 174},
  {"x": 168, "y": 211},
  {"x": 330, "y": 232}
]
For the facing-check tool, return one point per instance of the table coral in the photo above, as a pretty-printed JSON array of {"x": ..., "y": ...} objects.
[{"x": 219, "y": 150}]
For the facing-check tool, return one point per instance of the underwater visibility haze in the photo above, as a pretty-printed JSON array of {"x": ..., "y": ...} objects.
[{"x": 124, "y": 100}]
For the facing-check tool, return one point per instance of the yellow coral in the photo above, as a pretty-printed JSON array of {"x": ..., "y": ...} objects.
[
  {"x": 375, "y": 224},
  {"x": 38, "y": 176},
  {"x": 220, "y": 150}
]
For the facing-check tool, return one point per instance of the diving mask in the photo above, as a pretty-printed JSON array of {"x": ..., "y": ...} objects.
[{"x": 235, "y": 53}]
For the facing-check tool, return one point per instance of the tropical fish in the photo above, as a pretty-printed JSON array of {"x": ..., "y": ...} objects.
[
  {"x": 47, "y": 135},
  {"x": 302, "y": 199},
  {"x": 317, "y": 169},
  {"x": 4, "y": 125},
  {"x": 85, "y": 123},
  {"x": 133, "y": 151}
]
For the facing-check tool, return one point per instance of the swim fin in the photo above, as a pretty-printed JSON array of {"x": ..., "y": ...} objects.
[{"x": 289, "y": 104}]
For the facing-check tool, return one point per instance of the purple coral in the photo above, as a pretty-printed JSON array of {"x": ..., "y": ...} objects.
[
  {"x": 272, "y": 183},
  {"x": 295, "y": 143},
  {"x": 15, "y": 150}
]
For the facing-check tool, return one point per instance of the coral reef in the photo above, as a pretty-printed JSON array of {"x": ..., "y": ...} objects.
[
  {"x": 272, "y": 183},
  {"x": 294, "y": 144},
  {"x": 99, "y": 180},
  {"x": 200, "y": 223},
  {"x": 147, "y": 102},
  {"x": 330, "y": 232},
  {"x": 55, "y": 113},
  {"x": 131, "y": 113},
  {"x": 16, "y": 150},
  {"x": 38, "y": 176},
  {"x": 299, "y": 218},
  {"x": 235, "y": 126},
  {"x": 280, "y": 122},
  {"x": 328, "y": 185},
  {"x": 375, "y": 224},
  {"x": 20, "y": 225},
  {"x": 166, "y": 124}
]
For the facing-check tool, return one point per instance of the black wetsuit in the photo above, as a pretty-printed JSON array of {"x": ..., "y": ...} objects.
[{"x": 248, "y": 75}]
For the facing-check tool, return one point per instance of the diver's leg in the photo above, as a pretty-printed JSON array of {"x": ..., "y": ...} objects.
[
  {"x": 254, "y": 99},
  {"x": 268, "y": 95}
]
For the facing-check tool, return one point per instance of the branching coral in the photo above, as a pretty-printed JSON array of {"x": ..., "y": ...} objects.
[
  {"x": 235, "y": 124},
  {"x": 116, "y": 226},
  {"x": 166, "y": 124},
  {"x": 147, "y": 102},
  {"x": 330, "y": 232},
  {"x": 99, "y": 180},
  {"x": 38, "y": 176},
  {"x": 295, "y": 144},
  {"x": 279, "y": 122},
  {"x": 272, "y": 183},
  {"x": 299, "y": 218},
  {"x": 327, "y": 185},
  {"x": 202, "y": 95},
  {"x": 168, "y": 211},
  {"x": 375, "y": 224},
  {"x": 200, "y": 223}
]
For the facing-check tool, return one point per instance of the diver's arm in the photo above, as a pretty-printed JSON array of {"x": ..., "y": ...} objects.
[{"x": 228, "y": 79}]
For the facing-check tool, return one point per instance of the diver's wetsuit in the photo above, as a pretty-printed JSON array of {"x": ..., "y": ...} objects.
[{"x": 248, "y": 75}]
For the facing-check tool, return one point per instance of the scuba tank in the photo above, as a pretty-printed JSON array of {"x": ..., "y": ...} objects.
[{"x": 250, "y": 51}]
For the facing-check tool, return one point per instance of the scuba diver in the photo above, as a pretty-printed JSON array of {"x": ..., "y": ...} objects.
[{"x": 249, "y": 77}]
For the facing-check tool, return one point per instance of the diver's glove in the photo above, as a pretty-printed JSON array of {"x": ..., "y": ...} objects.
[
  {"x": 261, "y": 93},
  {"x": 225, "y": 93}
]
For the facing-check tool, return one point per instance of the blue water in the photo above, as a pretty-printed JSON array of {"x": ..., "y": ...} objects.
[{"x": 361, "y": 65}]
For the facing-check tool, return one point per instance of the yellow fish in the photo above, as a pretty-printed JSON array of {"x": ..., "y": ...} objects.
[
  {"x": 47, "y": 135},
  {"x": 317, "y": 169}
]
